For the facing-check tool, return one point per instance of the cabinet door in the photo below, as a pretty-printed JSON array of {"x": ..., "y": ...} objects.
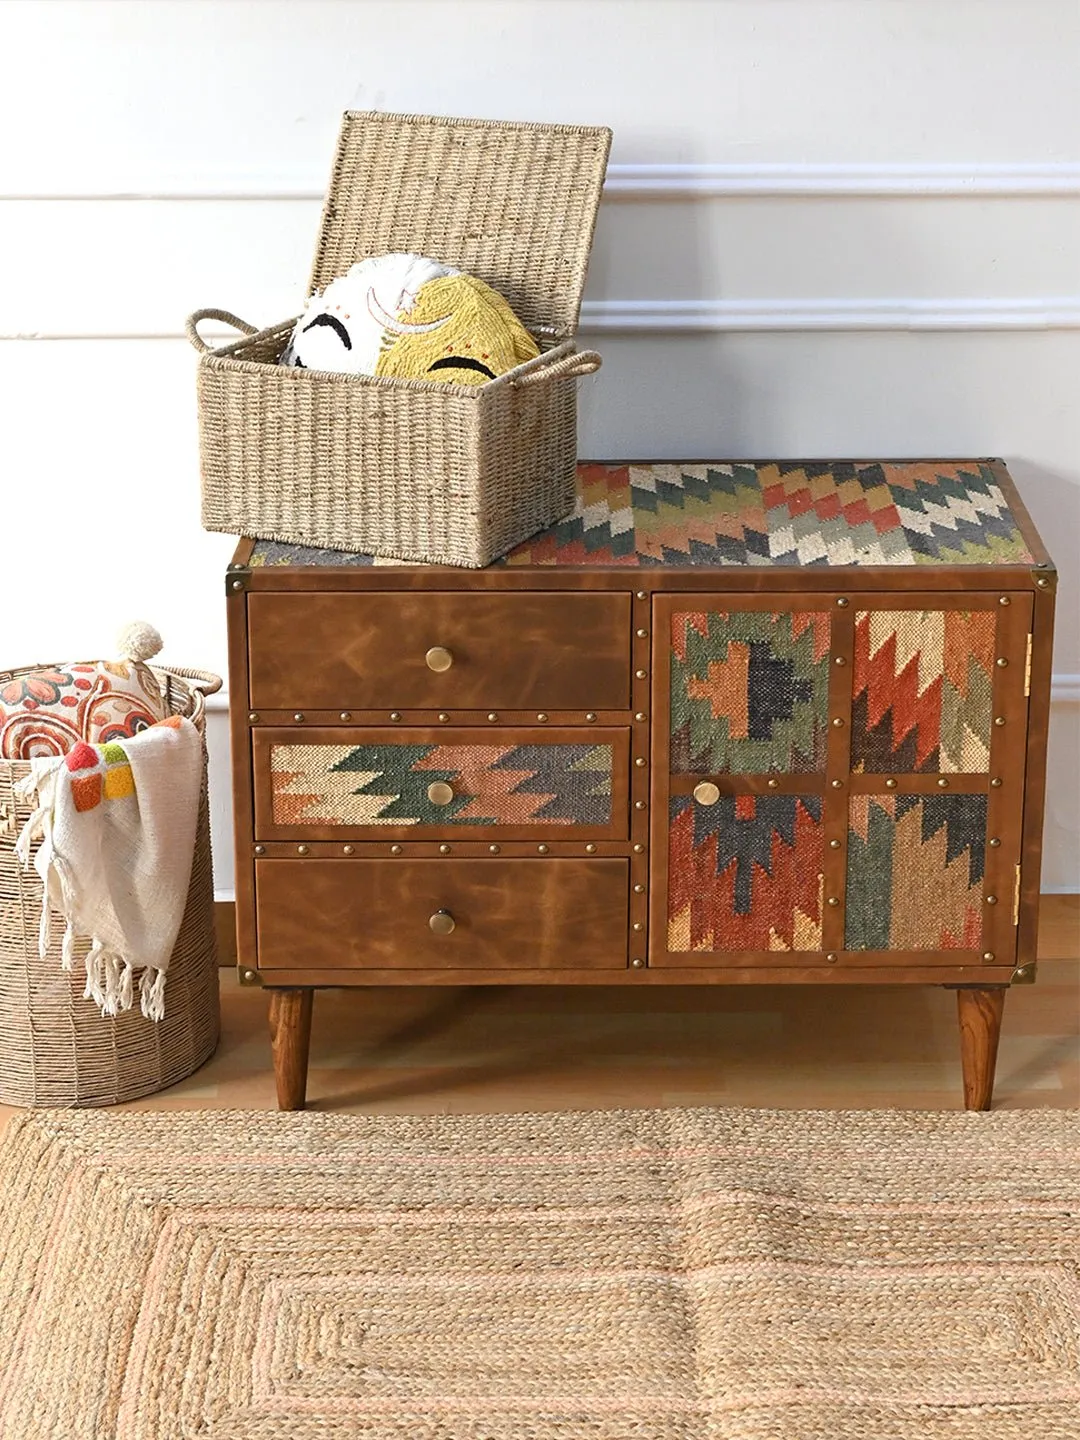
[{"x": 839, "y": 781}]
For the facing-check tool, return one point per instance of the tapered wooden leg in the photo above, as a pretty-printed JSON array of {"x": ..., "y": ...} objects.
[
  {"x": 979, "y": 1009},
  {"x": 290, "y": 1039}
]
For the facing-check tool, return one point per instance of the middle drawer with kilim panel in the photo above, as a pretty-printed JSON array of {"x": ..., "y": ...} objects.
[{"x": 378, "y": 784}]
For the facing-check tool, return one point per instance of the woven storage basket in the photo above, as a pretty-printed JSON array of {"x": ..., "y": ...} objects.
[
  {"x": 55, "y": 1047},
  {"x": 418, "y": 470}
]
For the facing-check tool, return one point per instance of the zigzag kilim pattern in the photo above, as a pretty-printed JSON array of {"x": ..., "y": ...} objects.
[
  {"x": 923, "y": 683},
  {"x": 745, "y": 873},
  {"x": 493, "y": 784},
  {"x": 749, "y": 691},
  {"x": 914, "y": 872},
  {"x": 762, "y": 514}
]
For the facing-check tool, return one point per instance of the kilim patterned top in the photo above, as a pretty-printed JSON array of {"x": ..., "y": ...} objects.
[{"x": 743, "y": 513}]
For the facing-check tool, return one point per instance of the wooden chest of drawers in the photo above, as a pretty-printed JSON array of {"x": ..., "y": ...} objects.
[{"x": 731, "y": 723}]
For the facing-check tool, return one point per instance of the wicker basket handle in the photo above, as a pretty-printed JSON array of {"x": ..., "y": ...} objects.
[
  {"x": 194, "y": 684},
  {"x": 191, "y": 329},
  {"x": 585, "y": 362}
]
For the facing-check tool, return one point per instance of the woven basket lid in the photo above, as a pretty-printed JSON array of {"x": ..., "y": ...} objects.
[{"x": 514, "y": 204}]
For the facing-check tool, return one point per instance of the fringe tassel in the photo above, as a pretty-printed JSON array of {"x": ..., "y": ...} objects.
[
  {"x": 67, "y": 948},
  {"x": 152, "y": 993},
  {"x": 95, "y": 975}
]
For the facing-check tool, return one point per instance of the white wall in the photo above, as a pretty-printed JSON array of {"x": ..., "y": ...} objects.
[{"x": 833, "y": 227}]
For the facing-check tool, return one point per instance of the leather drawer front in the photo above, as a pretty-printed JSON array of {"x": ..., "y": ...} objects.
[
  {"x": 509, "y": 650},
  {"x": 381, "y": 784},
  {"x": 508, "y": 914}
]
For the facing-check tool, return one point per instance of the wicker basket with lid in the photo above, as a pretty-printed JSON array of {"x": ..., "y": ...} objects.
[{"x": 412, "y": 469}]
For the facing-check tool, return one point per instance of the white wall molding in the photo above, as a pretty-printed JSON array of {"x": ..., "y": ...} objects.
[
  {"x": 1058, "y": 312},
  {"x": 662, "y": 182},
  {"x": 674, "y": 317}
]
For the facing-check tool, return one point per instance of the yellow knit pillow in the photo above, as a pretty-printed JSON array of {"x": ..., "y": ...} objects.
[{"x": 413, "y": 318}]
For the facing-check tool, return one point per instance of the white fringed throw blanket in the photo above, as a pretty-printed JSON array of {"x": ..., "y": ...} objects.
[{"x": 117, "y": 828}]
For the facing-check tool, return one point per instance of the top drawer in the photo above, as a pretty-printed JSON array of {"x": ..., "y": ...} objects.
[{"x": 506, "y": 650}]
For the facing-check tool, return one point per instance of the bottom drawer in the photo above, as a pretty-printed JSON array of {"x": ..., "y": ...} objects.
[{"x": 442, "y": 914}]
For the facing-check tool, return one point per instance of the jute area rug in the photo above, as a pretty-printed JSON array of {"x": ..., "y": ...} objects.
[{"x": 677, "y": 1275}]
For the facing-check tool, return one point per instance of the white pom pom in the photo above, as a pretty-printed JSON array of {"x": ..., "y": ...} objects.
[{"x": 138, "y": 641}]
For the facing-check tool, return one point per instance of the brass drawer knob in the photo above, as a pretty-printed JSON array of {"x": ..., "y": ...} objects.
[
  {"x": 706, "y": 793},
  {"x": 442, "y": 923},
  {"x": 438, "y": 658},
  {"x": 440, "y": 793}
]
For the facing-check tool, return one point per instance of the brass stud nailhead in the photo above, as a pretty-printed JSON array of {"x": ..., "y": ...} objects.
[
  {"x": 639, "y": 849},
  {"x": 639, "y": 889},
  {"x": 253, "y": 715},
  {"x": 591, "y": 716},
  {"x": 347, "y": 850},
  {"x": 833, "y": 900},
  {"x": 773, "y": 784},
  {"x": 991, "y": 899},
  {"x": 890, "y": 784},
  {"x": 395, "y": 714},
  {"x": 988, "y": 954},
  {"x": 542, "y": 849},
  {"x": 834, "y": 844},
  {"x": 641, "y": 715},
  {"x": 301, "y": 849},
  {"x": 995, "y": 784},
  {"x": 237, "y": 585},
  {"x": 443, "y": 716},
  {"x": 642, "y": 634},
  {"x": 395, "y": 849},
  {"x": 493, "y": 849},
  {"x": 641, "y": 674},
  {"x": 837, "y": 784},
  {"x": 1042, "y": 582},
  {"x": 641, "y": 595},
  {"x": 541, "y": 717},
  {"x": 299, "y": 717},
  {"x": 999, "y": 719},
  {"x": 345, "y": 715},
  {"x": 444, "y": 849},
  {"x": 1004, "y": 600},
  {"x": 1001, "y": 661},
  {"x": 832, "y": 957},
  {"x": 249, "y": 976},
  {"x": 943, "y": 783},
  {"x": 638, "y": 925},
  {"x": 260, "y": 849},
  {"x": 590, "y": 849},
  {"x": 843, "y": 600},
  {"x": 839, "y": 660},
  {"x": 706, "y": 792},
  {"x": 837, "y": 720},
  {"x": 492, "y": 716},
  {"x": 637, "y": 963},
  {"x": 640, "y": 760},
  {"x": 995, "y": 842},
  {"x": 639, "y": 804}
]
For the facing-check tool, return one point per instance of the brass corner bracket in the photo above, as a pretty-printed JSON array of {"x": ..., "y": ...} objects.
[
  {"x": 247, "y": 976},
  {"x": 1023, "y": 975},
  {"x": 1045, "y": 577},
  {"x": 236, "y": 579}
]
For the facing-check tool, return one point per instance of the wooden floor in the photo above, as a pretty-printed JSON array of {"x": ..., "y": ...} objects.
[{"x": 516, "y": 1048}]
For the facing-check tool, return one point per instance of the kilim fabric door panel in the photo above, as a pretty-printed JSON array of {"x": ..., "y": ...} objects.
[
  {"x": 744, "y": 874},
  {"x": 373, "y": 784},
  {"x": 915, "y": 869},
  {"x": 749, "y": 690},
  {"x": 835, "y": 780},
  {"x": 923, "y": 683}
]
